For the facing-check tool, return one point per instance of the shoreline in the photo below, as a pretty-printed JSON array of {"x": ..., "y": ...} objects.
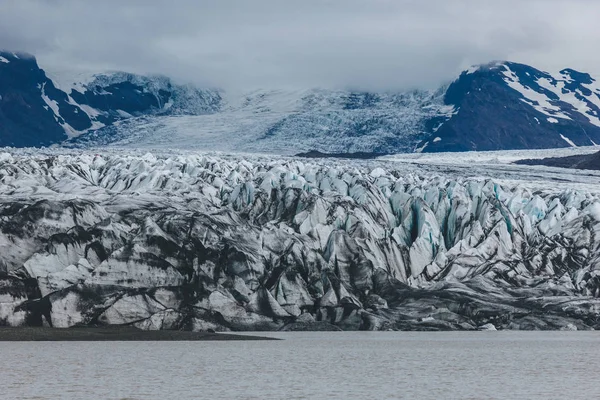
[{"x": 88, "y": 334}]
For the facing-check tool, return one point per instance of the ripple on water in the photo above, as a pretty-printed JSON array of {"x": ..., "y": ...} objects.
[{"x": 335, "y": 365}]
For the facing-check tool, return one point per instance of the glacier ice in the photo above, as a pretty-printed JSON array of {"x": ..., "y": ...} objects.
[{"x": 228, "y": 242}]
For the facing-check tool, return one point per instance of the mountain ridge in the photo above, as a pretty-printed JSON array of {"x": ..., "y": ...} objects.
[
  {"x": 34, "y": 111},
  {"x": 540, "y": 110},
  {"x": 496, "y": 106}
]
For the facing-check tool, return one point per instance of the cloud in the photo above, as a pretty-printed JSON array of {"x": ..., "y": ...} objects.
[{"x": 367, "y": 44}]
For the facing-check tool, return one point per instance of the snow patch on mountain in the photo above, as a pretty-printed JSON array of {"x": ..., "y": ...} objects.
[
  {"x": 566, "y": 139},
  {"x": 53, "y": 105},
  {"x": 537, "y": 100},
  {"x": 67, "y": 79},
  {"x": 552, "y": 90}
]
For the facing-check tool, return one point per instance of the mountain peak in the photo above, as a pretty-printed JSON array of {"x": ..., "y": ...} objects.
[
  {"x": 484, "y": 67},
  {"x": 509, "y": 105},
  {"x": 581, "y": 77},
  {"x": 17, "y": 55}
]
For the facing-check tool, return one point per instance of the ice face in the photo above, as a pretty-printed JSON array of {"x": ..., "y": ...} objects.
[{"x": 201, "y": 241}]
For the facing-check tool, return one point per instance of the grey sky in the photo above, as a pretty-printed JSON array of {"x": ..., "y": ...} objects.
[{"x": 373, "y": 44}]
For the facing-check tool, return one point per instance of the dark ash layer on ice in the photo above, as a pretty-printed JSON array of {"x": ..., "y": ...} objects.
[{"x": 200, "y": 242}]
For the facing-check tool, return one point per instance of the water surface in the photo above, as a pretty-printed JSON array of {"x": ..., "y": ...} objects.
[{"x": 312, "y": 365}]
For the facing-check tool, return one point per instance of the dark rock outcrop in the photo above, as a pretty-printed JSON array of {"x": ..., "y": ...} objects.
[
  {"x": 587, "y": 161},
  {"x": 27, "y": 97}
]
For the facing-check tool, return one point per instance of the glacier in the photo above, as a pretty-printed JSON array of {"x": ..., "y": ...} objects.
[
  {"x": 284, "y": 122},
  {"x": 199, "y": 241},
  {"x": 497, "y": 106}
]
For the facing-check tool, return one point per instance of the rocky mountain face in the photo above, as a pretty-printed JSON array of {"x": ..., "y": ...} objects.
[
  {"x": 505, "y": 106},
  {"x": 493, "y": 107},
  {"x": 28, "y": 100},
  {"x": 202, "y": 242},
  {"x": 36, "y": 111}
]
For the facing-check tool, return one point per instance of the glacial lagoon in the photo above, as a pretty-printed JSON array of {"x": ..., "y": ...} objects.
[{"x": 312, "y": 365}]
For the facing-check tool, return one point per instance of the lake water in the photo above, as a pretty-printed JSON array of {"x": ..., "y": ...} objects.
[{"x": 315, "y": 365}]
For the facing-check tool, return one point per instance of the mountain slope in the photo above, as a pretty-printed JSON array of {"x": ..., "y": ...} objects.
[
  {"x": 36, "y": 111},
  {"x": 498, "y": 106},
  {"x": 28, "y": 105},
  {"x": 505, "y": 106}
]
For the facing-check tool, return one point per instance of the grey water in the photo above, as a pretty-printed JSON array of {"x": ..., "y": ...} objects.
[{"x": 311, "y": 365}]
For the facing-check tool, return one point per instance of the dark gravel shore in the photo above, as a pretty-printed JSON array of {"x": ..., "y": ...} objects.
[
  {"x": 28, "y": 334},
  {"x": 583, "y": 161}
]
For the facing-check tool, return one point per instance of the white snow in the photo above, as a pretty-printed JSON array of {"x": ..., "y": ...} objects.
[
  {"x": 571, "y": 98},
  {"x": 67, "y": 79},
  {"x": 537, "y": 100},
  {"x": 500, "y": 157},
  {"x": 566, "y": 139},
  {"x": 498, "y": 164},
  {"x": 69, "y": 130},
  {"x": 51, "y": 103},
  {"x": 4, "y": 60},
  {"x": 420, "y": 149},
  {"x": 555, "y": 107},
  {"x": 124, "y": 114},
  {"x": 472, "y": 69},
  {"x": 314, "y": 119},
  {"x": 437, "y": 139}
]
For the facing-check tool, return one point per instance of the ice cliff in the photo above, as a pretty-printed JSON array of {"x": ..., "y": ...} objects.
[{"x": 200, "y": 241}]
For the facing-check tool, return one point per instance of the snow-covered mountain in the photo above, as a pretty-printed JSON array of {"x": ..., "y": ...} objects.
[
  {"x": 199, "y": 241},
  {"x": 514, "y": 106},
  {"x": 502, "y": 105},
  {"x": 40, "y": 109}
]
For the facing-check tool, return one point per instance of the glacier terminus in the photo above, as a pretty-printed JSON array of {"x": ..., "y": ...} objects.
[{"x": 199, "y": 241}]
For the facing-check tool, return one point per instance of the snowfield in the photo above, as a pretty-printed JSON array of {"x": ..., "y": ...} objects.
[
  {"x": 286, "y": 122},
  {"x": 186, "y": 240}
]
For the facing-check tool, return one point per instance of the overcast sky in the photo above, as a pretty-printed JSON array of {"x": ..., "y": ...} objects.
[{"x": 368, "y": 44}]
